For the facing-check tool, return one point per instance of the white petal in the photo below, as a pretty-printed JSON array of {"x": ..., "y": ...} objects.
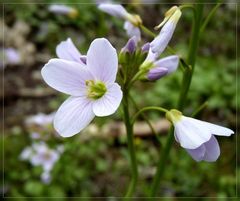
[
  {"x": 109, "y": 103},
  {"x": 218, "y": 130},
  {"x": 132, "y": 30},
  {"x": 212, "y": 150},
  {"x": 151, "y": 57},
  {"x": 190, "y": 133},
  {"x": 170, "y": 63},
  {"x": 198, "y": 153},
  {"x": 114, "y": 10},
  {"x": 60, "y": 9},
  {"x": 73, "y": 116},
  {"x": 159, "y": 44},
  {"x": 66, "y": 76},
  {"x": 67, "y": 50},
  {"x": 102, "y": 60}
]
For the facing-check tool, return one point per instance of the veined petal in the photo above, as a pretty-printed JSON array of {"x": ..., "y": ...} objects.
[
  {"x": 66, "y": 76},
  {"x": 190, "y": 134},
  {"x": 132, "y": 30},
  {"x": 67, "y": 50},
  {"x": 198, "y": 153},
  {"x": 212, "y": 150},
  {"x": 170, "y": 63},
  {"x": 109, "y": 103},
  {"x": 102, "y": 60},
  {"x": 114, "y": 10},
  {"x": 73, "y": 116},
  {"x": 159, "y": 44},
  {"x": 217, "y": 130}
]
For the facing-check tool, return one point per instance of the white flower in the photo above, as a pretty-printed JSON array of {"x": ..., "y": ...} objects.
[
  {"x": 157, "y": 68},
  {"x": 92, "y": 87},
  {"x": 197, "y": 136},
  {"x": 132, "y": 21},
  {"x": 44, "y": 156},
  {"x": 26, "y": 153},
  {"x": 40, "y": 119},
  {"x": 161, "y": 41},
  {"x": 64, "y": 10},
  {"x": 68, "y": 51}
]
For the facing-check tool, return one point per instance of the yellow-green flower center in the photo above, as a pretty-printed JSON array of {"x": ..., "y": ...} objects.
[
  {"x": 174, "y": 116},
  {"x": 95, "y": 89}
]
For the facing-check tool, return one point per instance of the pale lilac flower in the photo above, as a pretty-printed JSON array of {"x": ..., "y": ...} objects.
[
  {"x": 63, "y": 10},
  {"x": 132, "y": 22},
  {"x": 44, "y": 156},
  {"x": 196, "y": 136},
  {"x": 163, "y": 67},
  {"x": 157, "y": 68},
  {"x": 9, "y": 56},
  {"x": 92, "y": 87},
  {"x": 35, "y": 135},
  {"x": 169, "y": 24},
  {"x": 68, "y": 51},
  {"x": 40, "y": 119},
  {"x": 26, "y": 153}
]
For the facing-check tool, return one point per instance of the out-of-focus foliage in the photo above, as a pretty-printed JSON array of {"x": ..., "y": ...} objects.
[{"x": 96, "y": 166}]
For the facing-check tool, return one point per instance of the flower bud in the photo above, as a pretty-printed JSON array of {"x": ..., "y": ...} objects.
[
  {"x": 156, "y": 73},
  {"x": 130, "y": 46}
]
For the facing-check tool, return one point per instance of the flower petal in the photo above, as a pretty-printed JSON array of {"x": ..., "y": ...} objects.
[
  {"x": 67, "y": 50},
  {"x": 198, "y": 153},
  {"x": 159, "y": 44},
  {"x": 212, "y": 150},
  {"x": 102, "y": 60},
  {"x": 190, "y": 133},
  {"x": 170, "y": 63},
  {"x": 132, "y": 30},
  {"x": 66, "y": 76},
  {"x": 73, "y": 116},
  {"x": 218, "y": 130},
  {"x": 109, "y": 103},
  {"x": 114, "y": 10}
]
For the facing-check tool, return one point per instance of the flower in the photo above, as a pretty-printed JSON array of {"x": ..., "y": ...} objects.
[
  {"x": 154, "y": 68},
  {"x": 161, "y": 41},
  {"x": 39, "y": 154},
  {"x": 196, "y": 136},
  {"x": 92, "y": 87},
  {"x": 40, "y": 119},
  {"x": 64, "y": 10},
  {"x": 132, "y": 21},
  {"x": 68, "y": 51},
  {"x": 131, "y": 45}
]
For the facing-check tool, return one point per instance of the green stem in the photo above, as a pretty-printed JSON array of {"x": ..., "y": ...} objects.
[
  {"x": 206, "y": 21},
  {"x": 144, "y": 117},
  {"x": 184, "y": 91},
  {"x": 146, "y": 109},
  {"x": 147, "y": 31},
  {"x": 130, "y": 139}
]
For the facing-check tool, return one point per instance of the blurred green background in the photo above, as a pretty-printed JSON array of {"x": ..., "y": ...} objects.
[{"x": 96, "y": 163}]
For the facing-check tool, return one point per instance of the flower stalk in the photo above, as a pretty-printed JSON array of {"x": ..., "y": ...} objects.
[
  {"x": 195, "y": 36},
  {"x": 130, "y": 139}
]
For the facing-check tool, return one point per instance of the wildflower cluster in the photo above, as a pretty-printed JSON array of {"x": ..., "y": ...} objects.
[{"x": 90, "y": 80}]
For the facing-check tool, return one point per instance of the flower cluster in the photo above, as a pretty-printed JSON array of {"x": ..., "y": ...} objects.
[
  {"x": 39, "y": 154},
  {"x": 90, "y": 81}
]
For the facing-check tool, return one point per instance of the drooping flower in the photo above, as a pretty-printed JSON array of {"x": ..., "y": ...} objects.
[
  {"x": 92, "y": 87},
  {"x": 132, "y": 22},
  {"x": 196, "y": 136},
  {"x": 63, "y": 10},
  {"x": 169, "y": 24}
]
